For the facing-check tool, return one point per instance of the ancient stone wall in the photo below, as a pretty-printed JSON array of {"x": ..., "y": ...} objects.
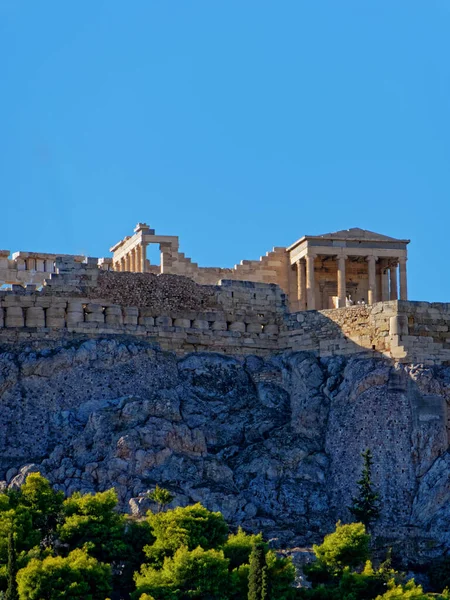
[
  {"x": 342, "y": 331},
  {"x": 271, "y": 268},
  {"x": 235, "y": 317}
]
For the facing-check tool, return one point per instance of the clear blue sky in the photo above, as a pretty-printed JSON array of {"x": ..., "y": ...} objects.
[{"x": 238, "y": 125}]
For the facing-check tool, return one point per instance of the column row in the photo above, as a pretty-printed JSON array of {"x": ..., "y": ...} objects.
[
  {"x": 306, "y": 283},
  {"x": 133, "y": 261}
]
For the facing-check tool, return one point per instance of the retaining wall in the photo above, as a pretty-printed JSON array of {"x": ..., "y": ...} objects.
[{"x": 235, "y": 317}]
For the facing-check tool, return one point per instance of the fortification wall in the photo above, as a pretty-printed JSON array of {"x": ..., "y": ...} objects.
[
  {"x": 34, "y": 268},
  {"x": 235, "y": 317},
  {"x": 342, "y": 331},
  {"x": 243, "y": 319}
]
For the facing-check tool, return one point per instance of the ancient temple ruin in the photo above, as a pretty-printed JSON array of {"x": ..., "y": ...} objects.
[{"x": 316, "y": 272}]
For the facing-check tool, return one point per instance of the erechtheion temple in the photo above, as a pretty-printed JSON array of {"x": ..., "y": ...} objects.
[{"x": 316, "y": 272}]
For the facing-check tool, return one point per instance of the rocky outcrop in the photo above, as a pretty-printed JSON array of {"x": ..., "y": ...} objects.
[{"x": 273, "y": 443}]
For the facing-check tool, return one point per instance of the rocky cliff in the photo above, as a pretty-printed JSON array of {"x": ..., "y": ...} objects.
[{"x": 273, "y": 443}]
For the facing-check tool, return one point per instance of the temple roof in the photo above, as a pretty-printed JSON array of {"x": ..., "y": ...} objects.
[
  {"x": 358, "y": 234},
  {"x": 351, "y": 235}
]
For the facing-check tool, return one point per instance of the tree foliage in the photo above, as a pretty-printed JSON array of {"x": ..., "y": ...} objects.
[
  {"x": 91, "y": 520},
  {"x": 77, "y": 547},
  {"x": 347, "y": 546},
  {"x": 258, "y": 578},
  {"x": 161, "y": 497},
  {"x": 404, "y": 592},
  {"x": 239, "y": 546},
  {"x": 365, "y": 506},
  {"x": 189, "y": 527},
  {"x": 199, "y": 573},
  {"x": 11, "y": 591},
  {"x": 77, "y": 576}
]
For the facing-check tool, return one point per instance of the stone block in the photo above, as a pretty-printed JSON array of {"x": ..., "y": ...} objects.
[
  {"x": 14, "y": 316},
  {"x": 271, "y": 329},
  {"x": 55, "y": 316},
  {"x": 35, "y": 316},
  {"x": 200, "y": 324},
  {"x": 238, "y": 326},
  {"x": 254, "y": 328},
  {"x": 185, "y": 323},
  {"x": 146, "y": 321},
  {"x": 163, "y": 321},
  {"x": 219, "y": 326},
  {"x": 75, "y": 313},
  {"x": 398, "y": 325},
  {"x": 94, "y": 313},
  {"x": 113, "y": 315},
  {"x": 130, "y": 315}
]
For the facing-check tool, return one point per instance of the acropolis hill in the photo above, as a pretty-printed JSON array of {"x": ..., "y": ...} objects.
[
  {"x": 252, "y": 390},
  {"x": 339, "y": 293}
]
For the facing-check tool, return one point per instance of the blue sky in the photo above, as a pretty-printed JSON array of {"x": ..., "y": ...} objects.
[{"x": 238, "y": 125}]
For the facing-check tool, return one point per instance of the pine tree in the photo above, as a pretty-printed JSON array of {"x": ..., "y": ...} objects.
[
  {"x": 365, "y": 506},
  {"x": 161, "y": 496},
  {"x": 258, "y": 581},
  {"x": 11, "y": 591}
]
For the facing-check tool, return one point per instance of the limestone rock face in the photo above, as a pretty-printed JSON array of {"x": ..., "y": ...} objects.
[{"x": 273, "y": 443}]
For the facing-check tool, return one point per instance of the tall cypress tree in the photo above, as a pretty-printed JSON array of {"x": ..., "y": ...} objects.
[
  {"x": 258, "y": 580},
  {"x": 365, "y": 506},
  {"x": 11, "y": 591}
]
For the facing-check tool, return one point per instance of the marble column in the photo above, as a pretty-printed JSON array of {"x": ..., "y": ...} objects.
[
  {"x": 372, "y": 295},
  {"x": 310, "y": 282},
  {"x": 403, "y": 279},
  {"x": 127, "y": 262},
  {"x": 123, "y": 265},
  {"x": 384, "y": 281},
  {"x": 301, "y": 284},
  {"x": 341, "y": 284},
  {"x": 138, "y": 259},
  {"x": 133, "y": 260},
  {"x": 143, "y": 257},
  {"x": 393, "y": 283}
]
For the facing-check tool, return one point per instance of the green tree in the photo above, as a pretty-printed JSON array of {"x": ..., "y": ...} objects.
[
  {"x": 191, "y": 526},
  {"x": 137, "y": 535},
  {"x": 239, "y": 546},
  {"x": 258, "y": 579},
  {"x": 33, "y": 510},
  {"x": 365, "y": 506},
  {"x": 161, "y": 497},
  {"x": 404, "y": 592},
  {"x": 77, "y": 576},
  {"x": 42, "y": 502},
  {"x": 281, "y": 574},
  {"x": 200, "y": 574},
  {"x": 347, "y": 546},
  {"x": 91, "y": 520},
  {"x": 11, "y": 591}
]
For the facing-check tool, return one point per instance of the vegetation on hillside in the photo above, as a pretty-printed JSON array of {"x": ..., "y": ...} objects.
[{"x": 81, "y": 547}]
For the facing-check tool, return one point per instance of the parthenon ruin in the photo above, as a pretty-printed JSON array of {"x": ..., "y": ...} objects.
[{"x": 316, "y": 272}]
